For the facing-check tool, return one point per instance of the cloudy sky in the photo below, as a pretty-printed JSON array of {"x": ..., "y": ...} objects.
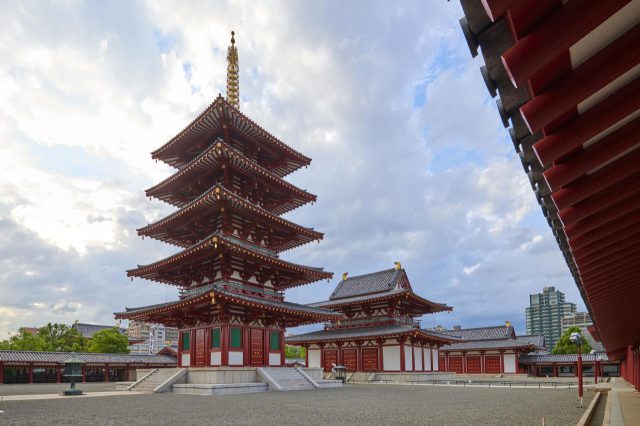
[{"x": 410, "y": 160}]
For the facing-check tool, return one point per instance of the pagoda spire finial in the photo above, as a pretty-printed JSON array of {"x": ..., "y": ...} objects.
[{"x": 233, "y": 87}]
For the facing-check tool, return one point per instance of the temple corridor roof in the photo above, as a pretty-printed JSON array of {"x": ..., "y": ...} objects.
[{"x": 383, "y": 331}]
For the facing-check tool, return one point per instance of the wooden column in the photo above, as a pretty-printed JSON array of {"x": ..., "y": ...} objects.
[
  {"x": 380, "y": 357},
  {"x": 339, "y": 357},
  {"x": 57, "y": 374},
  {"x": 358, "y": 356},
  {"x": 464, "y": 361},
  {"x": 306, "y": 355},
  {"x": 402, "y": 366},
  {"x": 266, "y": 346},
  {"x": 282, "y": 354},
  {"x": 106, "y": 372},
  {"x": 246, "y": 343},
  {"x": 431, "y": 355},
  {"x": 83, "y": 374},
  {"x": 413, "y": 357},
  {"x": 321, "y": 346},
  {"x": 30, "y": 373},
  {"x": 501, "y": 362},
  {"x": 1, "y": 373},
  {"x": 482, "y": 367},
  {"x": 224, "y": 345}
]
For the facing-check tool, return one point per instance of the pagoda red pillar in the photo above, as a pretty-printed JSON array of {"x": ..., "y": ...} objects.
[
  {"x": 306, "y": 355},
  {"x": 224, "y": 345},
  {"x": 402, "y": 366},
  {"x": 381, "y": 357}
]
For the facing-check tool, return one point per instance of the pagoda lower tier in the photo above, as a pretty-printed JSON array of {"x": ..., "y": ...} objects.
[{"x": 221, "y": 326}]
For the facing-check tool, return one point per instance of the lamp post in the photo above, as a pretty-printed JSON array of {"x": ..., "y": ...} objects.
[
  {"x": 577, "y": 339},
  {"x": 73, "y": 370}
]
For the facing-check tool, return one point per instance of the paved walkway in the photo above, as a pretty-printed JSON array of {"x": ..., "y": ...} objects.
[
  {"x": 625, "y": 403},
  {"x": 59, "y": 396}
]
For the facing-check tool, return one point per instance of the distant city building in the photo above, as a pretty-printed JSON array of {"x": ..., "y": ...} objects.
[
  {"x": 142, "y": 335},
  {"x": 545, "y": 313},
  {"x": 579, "y": 319}
]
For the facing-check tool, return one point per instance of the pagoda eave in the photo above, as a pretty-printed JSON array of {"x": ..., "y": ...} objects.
[{"x": 211, "y": 121}]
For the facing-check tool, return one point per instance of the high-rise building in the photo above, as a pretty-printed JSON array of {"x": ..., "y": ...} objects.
[
  {"x": 545, "y": 313},
  {"x": 579, "y": 319}
]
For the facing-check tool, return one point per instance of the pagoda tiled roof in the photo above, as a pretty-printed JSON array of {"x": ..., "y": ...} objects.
[
  {"x": 375, "y": 282},
  {"x": 401, "y": 292},
  {"x": 216, "y": 241},
  {"x": 535, "y": 339},
  {"x": 210, "y": 200},
  {"x": 383, "y": 331},
  {"x": 482, "y": 333},
  {"x": 217, "y": 291},
  {"x": 564, "y": 358},
  {"x": 89, "y": 358},
  {"x": 210, "y": 120},
  {"x": 209, "y": 160}
]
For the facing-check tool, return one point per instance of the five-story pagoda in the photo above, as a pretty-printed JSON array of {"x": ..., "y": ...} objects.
[{"x": 230, "y": 194}]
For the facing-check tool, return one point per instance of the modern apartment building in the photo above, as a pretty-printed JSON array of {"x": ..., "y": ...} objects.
[
  {"x": 579, "y": 319},
  {"x": 545, "y": 313}
]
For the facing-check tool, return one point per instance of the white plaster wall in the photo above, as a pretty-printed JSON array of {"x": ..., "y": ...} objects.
[
  {"x": 427, "y": 359},
  {"x": 408, "y": 357},
  {"x": 314, "y": 358},
  {"x": 236, "y": 358},
  {"x": 418, "y": 357},
  {"x": 391, "y": 358},
  {"x": 435, "y": 354},
  {"x": 274, "y": 359},
  {"x": 509, "y": 363},
  {"x": 186, "y": 360},
  {"x": 216, "y": 358}
]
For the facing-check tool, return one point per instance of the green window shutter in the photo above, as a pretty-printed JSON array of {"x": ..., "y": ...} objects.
[
  {"x": 215, "y": 338},
  {"x": 236, "y": 338},
  {"x": 275, "y": 340},
  {"x": 185, "y": 340}
]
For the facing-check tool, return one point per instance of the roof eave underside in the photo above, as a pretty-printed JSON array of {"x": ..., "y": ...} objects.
[
  {"x": 574, "y": 119},
  {"x": 427, "y": 305}
]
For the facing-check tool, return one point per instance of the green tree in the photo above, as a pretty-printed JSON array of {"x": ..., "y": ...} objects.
[
  {"x": 23, "y": 341},
  {"x": 295, "y": 352},
  {"x": 62, "y": 338},
  {"x": 109, "y": 340},
  {"x": 564, "y": 345}
]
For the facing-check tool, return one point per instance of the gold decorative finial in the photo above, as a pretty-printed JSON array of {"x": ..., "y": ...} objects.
[
  {"x": 398, "y": 265},
  {"x": 344, "y": 276},
  {"x": 233, "y": 87}
]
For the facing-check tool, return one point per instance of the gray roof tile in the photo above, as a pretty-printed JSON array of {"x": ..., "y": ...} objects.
[
  {"x": 374, "y": 282},
  {"x": 89, "y": 358},
  {"x": 482, "y": 333},
  {"x": 548, "y": 358},
  {"x": 360, "y": 332}
]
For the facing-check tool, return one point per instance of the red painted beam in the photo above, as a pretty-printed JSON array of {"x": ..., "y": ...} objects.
[
  {"x": 611, "y": 213},
  {"x": 594, "y": 74},
  {"x": 587, "y": 186},
  {"x": 557, "y": 33},
  {"x": 596, "y": 240},
  {"x": 594, "y": 121},
  {"x": 621, "y": 264},
  {"x": 496, "y": 8},
  {"x": 601, "y": 251},
  {"x": 593, "y": 156},
  {"x": 617, "y": 277},
  {"x": 624, "y": 257},
  {"x": 592, "y": 205},
  {"x": 525, "y": 15}
]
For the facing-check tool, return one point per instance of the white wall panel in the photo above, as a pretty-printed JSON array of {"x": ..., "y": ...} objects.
[
  {"x": 408, "y": 356},
  {"x": 391, "y": 358},
  {"x": 274, "y": 359},
  {"x": 436, "y": 363},
  {"x": 236, "y": 358},
  {"x": 314, "y": 358},
  {"x": 417, "y": 354},
  {"x": 186, "y": 360},
  {"x": 216, "y": 358},
  {"x": 509, "y": 363}
]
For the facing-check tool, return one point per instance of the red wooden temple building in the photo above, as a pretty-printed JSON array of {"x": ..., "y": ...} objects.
[
  {"x": 229, "y": 192},
  {"x": 567, "y": 78},
  {"x": 376, "y": 330}
]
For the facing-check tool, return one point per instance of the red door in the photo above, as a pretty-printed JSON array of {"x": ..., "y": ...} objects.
[
  {"x": 350, "y": 359},
  {"x": 442, "y": 364},
  {"x": 492, "y": 364},
  {"x": 257, "y": 354},
  {"x": 330, "y": 358},
  {"x": 473, "y": 364},
  {"x": 455, "y": 364},
  {"x": 370, "y": 359},
  {"x": 199, "y": 359}
]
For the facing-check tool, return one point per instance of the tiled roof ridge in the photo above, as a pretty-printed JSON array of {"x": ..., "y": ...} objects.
[{"x": 344, "y": 283}]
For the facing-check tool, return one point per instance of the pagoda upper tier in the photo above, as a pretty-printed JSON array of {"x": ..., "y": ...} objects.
[
  {"x": 222, "y": 164},
  {"x": 228, "y": 258},
  {"x": 219, "y": 209},
  {"x": 223, "y": 120}
]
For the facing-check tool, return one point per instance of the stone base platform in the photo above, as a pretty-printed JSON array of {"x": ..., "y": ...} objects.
[
  {"x": 414, "y": 377},
  {"x": 219, "y": 389}
]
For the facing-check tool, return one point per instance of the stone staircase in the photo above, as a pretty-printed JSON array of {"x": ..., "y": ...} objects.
[
  {"x": 359, "y": 377},
  {"x": 154, "y": 379},
  {"x": 285, "y": 379}
]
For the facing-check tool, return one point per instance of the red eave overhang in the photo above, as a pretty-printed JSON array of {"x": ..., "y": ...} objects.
[{"x": 576, "y": 128}]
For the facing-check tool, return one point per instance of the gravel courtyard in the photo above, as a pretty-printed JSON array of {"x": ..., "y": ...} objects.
[{"x": 353, "y": 404}]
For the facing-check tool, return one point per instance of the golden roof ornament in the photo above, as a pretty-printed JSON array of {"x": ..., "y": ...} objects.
[{"x": 233, "y": 87}]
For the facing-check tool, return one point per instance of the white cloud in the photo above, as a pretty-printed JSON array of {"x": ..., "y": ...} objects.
[{"x": 468, "y": 270}]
